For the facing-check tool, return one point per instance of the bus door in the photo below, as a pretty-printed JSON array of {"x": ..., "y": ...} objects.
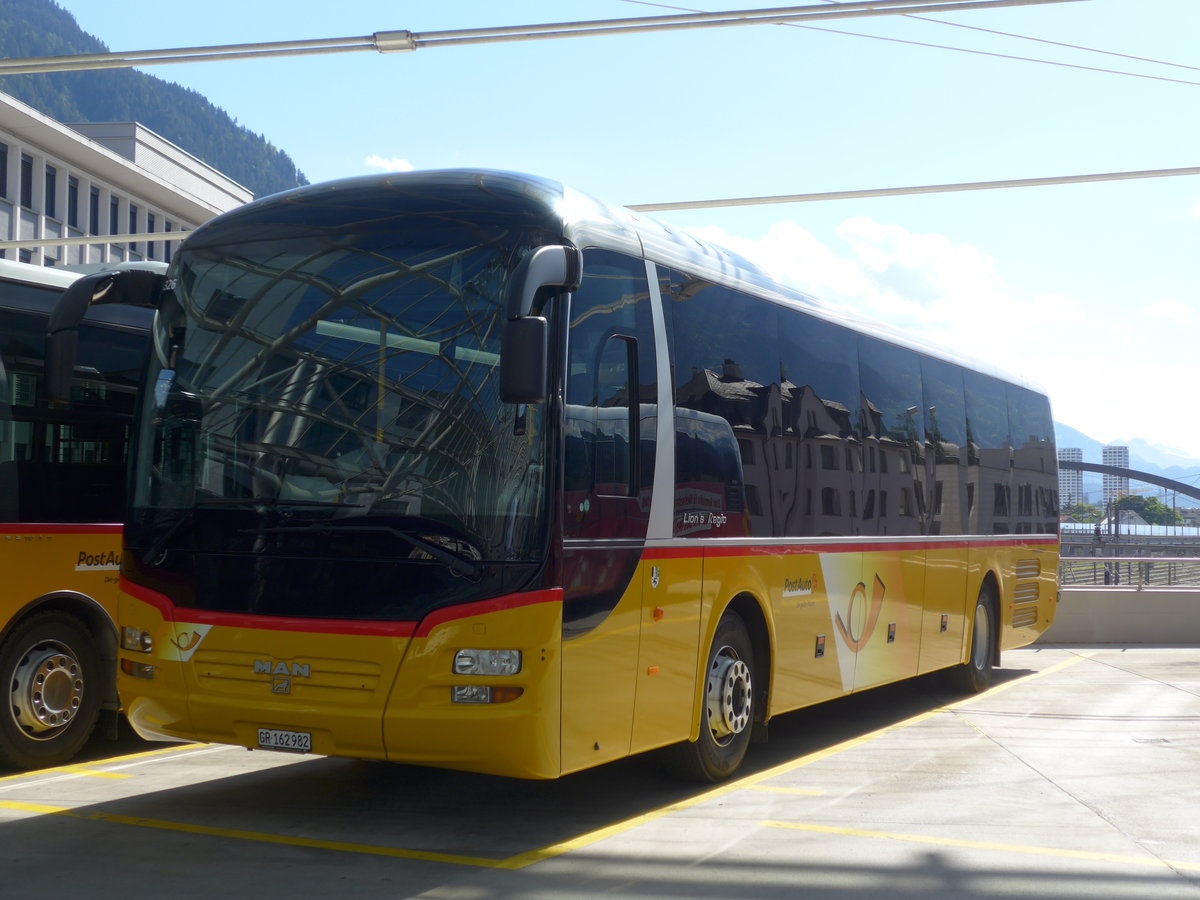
[{"x": 609, "y": 431}]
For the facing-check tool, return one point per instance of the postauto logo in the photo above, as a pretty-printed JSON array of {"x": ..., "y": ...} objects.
[{"x": 105, "y": 561}]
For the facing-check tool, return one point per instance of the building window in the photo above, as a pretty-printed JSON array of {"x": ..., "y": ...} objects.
[
  {"x": 150, "y": 223},
  {"x": 49, "y": 207},
  {"x": 133, "y": 226},
  {"x": 114, "y": 216},
  {"x": 94, "y": 211},
  {"x": 829, "y": 457},
  {"x": 168, "y": 226},
  {"x": 3, "y": 170},
  {"x": 73, "y": 201},
  {"x": 26, "y": 181}
]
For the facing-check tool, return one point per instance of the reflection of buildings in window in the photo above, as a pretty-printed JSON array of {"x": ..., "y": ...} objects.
[{"x": 846, "y": 456}]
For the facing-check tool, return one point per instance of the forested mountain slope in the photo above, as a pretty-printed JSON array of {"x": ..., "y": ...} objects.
[{"x": 182, "y": 116}]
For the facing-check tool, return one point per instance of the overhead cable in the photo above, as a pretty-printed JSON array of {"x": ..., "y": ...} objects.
[
  {"x": 1016, "y": 58},
  {"x": 906, "y": 191},
  {"x": 399, "y": 41}
]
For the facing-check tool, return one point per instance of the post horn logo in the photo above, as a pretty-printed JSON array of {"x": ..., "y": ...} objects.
[{"x": 870, "y": 617}]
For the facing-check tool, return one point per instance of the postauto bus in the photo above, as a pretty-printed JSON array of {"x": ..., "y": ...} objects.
[
  {"x": 466, "y": 469},
  {"x": 62, "y": 497}
]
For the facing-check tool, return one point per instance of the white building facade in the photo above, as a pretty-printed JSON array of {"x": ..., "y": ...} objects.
[
  {"x": 1115, "y": 485},
  {"x": 1070, "y": 481},
  {"x": 102, "y": 179}
]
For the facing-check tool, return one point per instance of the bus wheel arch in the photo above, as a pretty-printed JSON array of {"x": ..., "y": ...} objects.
[
  {"x": 54, "y": 683},
  {"x": 975, "y": 675},
  {"x": 734, "y": 684},
  {"x": 752, "y": 616}
]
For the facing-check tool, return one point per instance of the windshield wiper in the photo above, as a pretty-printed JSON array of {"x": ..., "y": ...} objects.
[
  {"x": 274, "y": 503},
  {"x": 156, "y": 552},
  {"x": 459, "y": 565}
]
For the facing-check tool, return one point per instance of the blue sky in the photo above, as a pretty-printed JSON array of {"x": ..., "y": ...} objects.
[{"x": 1091, "y": 290}]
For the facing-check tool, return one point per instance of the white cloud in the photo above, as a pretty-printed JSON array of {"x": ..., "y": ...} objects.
[
  {"x": 1170, "y": 309},
  {"x": 395, "y": 164}
]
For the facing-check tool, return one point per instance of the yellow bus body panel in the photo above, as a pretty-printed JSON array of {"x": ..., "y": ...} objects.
[
  {"x": 517, "y": 738},
  {"x": 40, "y": 560},
  {"x": 837, "y": 618},
  {"x": 370, "y": 696}
]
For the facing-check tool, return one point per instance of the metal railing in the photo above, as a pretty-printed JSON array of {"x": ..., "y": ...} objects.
[{"x": 1129, "y": 572}]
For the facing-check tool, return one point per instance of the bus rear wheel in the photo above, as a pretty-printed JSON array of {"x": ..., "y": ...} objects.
[
  {"x": 49, "y": 670},
  {"x": 975, "y": 675},
  {"x": 727, "y": 713}
]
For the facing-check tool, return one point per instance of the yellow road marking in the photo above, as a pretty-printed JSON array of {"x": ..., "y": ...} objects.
[
  {"x": 40, "y": 808},
  {"x": 528, "y": 858},
  {"x": 1089, "y": 855},
  {"x": 262, "y": 837},
  {"x": 85, "y": 768}
]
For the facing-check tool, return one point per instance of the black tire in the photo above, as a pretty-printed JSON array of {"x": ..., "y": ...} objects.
[
  {"x": 975, "y": 675},
  {"x": 51, "y": 674},
  {"x": 727, "y": 716}
]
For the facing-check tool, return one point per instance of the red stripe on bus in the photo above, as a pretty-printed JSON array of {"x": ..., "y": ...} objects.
[
  {"x": 711, "y": 550},
  {"x": 59, "y": 528},
  {"x": 498, "y": 604},
  {"x": 185, "y": 615}
]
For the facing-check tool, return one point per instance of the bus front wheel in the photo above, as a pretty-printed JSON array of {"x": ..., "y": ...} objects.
[
  {"x": 728, "y": 710},
  {"x": 49, "y": 670}
]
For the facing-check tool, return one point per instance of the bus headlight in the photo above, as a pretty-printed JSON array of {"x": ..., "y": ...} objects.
[
  {"x": 137, "y": 640},
  {"x": 487, "y": 662}
]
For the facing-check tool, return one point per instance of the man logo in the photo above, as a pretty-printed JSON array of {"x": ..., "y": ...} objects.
[{"x": 295, "y": 670}]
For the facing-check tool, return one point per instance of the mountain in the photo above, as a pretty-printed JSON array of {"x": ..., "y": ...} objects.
[
  {"x": 30, "y": 28},
  {"x": 1143, "y": 455}
]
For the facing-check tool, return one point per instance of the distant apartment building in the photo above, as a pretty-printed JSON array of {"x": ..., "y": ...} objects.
[
  {"x": 1070, "y": 481},
  {"x": 99, "y": 179},
  {"x": 1115, "y": 485}
]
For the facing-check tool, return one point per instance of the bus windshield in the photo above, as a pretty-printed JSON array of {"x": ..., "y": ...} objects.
[{"x": 331, "y": 400}]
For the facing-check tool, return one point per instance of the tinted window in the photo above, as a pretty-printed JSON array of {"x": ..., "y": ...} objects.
[
  {"x": 823, "y": 406},
  {"x": 65, "y": 465},
  {"x": 1035, "y": 465},
  {"x": 893, "y": 425},
  {"x": 989, "y": 455},
  {"x": 945, "y": 440},
  {"x": 611, "y": 392},
  {"x": 726, "y": 368}
]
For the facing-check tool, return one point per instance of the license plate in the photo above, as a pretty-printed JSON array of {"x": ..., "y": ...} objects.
[{"x": 295, "y": 741}]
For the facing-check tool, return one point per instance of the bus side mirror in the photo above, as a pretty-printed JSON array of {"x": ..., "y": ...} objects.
[
  {"x": 523, "y": 346},
  {"x": 524, "y": 340},
  {"x": 134, "y": 287}
]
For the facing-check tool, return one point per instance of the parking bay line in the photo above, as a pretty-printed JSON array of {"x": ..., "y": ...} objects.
[{"x": 92, "y": 769}]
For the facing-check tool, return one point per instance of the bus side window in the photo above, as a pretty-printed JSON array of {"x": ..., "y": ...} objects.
[{"x": 616, "y": 428}]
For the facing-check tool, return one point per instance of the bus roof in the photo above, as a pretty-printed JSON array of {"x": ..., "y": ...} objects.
[{"x": 586, "y": 222}]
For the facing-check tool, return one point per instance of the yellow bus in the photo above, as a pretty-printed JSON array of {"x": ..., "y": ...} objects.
[
  {"x": 467, "y": 469},
  {"x": 62, "y": 477}
]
